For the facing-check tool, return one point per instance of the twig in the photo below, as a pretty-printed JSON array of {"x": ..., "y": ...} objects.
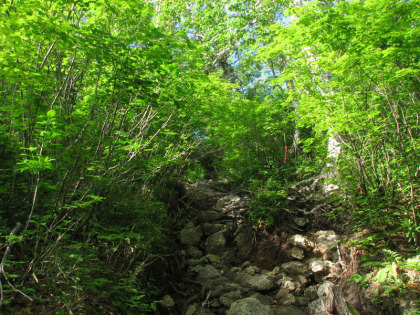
[{"x": 3, "y": 262}]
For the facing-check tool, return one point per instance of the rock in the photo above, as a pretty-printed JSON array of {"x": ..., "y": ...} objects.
[
  {"x": 211, "y": 228},
  {"x": 194, "y": 252},
  {"x": 302, "y": 301},
  {"x": 244, "y": 243},
  {"x": 301, "y": 222},
  {"x": 215, "y": 243},
  {"x": 227, "y": 299},
  {"x": 242, "y": 278},
  {"x": 190, "y": 234},
  {"x": 317, "y": 307},
  {"x": 275, "y": 271},
  {"x": 257, "y": 282},
  {"x": 210, "y": 216},
  {"x": 213, "y": 258},
  {"x": 289, "y": 284},
  {"x": 331, "y": 301},
  {"x": 295, "y": 267},
  {"x": 302, "y": 242},
  {"x": 261, "y": 283},
  {"x": 317, "y": 265},
  {"x": 246, "y": 264},
  {"x": 208, "y": 272},
  {"x": 287, "y": 310},
  {"x": 249, "y": 306},
  {"x": 264, "y": 299},
  {"x": 203, "y": 192},
  {"x": 311, "y": 293},
  {"x": 284, "y": 297},
  {"x": 167, "y": 302},
  {"x": 252, "y": 270},
  {"x": 191, "y": 309},
  {"x": 326, "y": 245},
  {"x": 226, "y": 287},
  {"x": 297, "y": 253},
  {"x": 194, "y": 310},
  {"x": 227, "y": 203},
  {"x": 323, "y": 288},
  {"x": 322, "y": 269}
]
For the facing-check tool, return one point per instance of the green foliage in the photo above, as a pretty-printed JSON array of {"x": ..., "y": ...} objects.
[
  {"x": 105, "y": 107},
  {"x": 388, "y": 271},
  {"x": 267, "y": 204},
  {"x": 195, "y": 173}
]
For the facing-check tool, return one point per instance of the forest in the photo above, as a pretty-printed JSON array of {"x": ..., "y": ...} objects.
[{"x": 109, "y": 108}]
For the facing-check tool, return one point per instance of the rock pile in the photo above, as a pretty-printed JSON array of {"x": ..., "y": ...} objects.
[{"x": 225, "y": 272}]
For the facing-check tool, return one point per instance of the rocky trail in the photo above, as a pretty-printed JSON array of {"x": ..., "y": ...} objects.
[{"x": 228, "y": 267}]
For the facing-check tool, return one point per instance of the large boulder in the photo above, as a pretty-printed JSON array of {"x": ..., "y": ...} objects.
[
  {"x": 331, "y": 300},
  {"x": 228, "y": 203},
  {"x": 326, "y": 245},
  {"x": 191, "y": 234},
  {"x": 257, "y": 282},
  {"x": 208, "y": 272},
  {"x": 261, "y": 283},
  {"x": 228, "y": 298},
  {"x": 302, "y": 242},
  {"x": 244, "y": 243},
  {"x": 295, "y": 268},
  {"x": 211, "y": 228},
  {"x": 249, "y": 306},
  {"x": 287, "y": 310},
  {"x": 210, "y": 216},
  {"x": 216, "y": 243}
]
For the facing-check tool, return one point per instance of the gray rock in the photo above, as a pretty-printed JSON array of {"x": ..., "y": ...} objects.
[
  {"x": 244, "y": 243},
  {"x": 331, "y": 301},
  {"x": 213, "y": 258},
  {"x": 264, "y": 299},
  {"x": 317, "y": 265},
  {"x": 246, "y": 264},
  {"x": 249, "y": 306},
  {"x": 196, "y": 310},
  {"x": 326, "y": 245},
  {"x": 203, "y": 190},
  {"x": 317, "y": 307},
  {"x": 275, "y": 272},
  {"x": 191, "y": 309},
  {"x": 283, "y": 297},
  {"x": 295, "y": 268},
  {"x": 289, "y": 284},
  {"x": 211, "y": 228},
  {"x": 323, "y": 288},
  {"x": 297, "y": 253},
  {"x": 261, "y": 283},
  {"x": 252, "y": 270},
  {"x": 190, "y": 234},
  {"x": 210, "y": 216},
  {"x": 227, "y": 299},
  {"x": 226, "y": 287},
  {"x": 215, "y": 243},
  {"x": 311, "y": 293},
  {"x": 301, "y": 221},
  {"x": 227, "y": 203},
  {"x": 242, "y": 278},
  {"x": 302, "y": 301},
  {"x": 302, "y": 242},
  {"x": 287, "y": 310},
  {"x": 208, "y": 272},
  {"x": 167, "y": 302},
  {"x": 194, "y": 252},
  {"x": 257, "y": 282}
]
